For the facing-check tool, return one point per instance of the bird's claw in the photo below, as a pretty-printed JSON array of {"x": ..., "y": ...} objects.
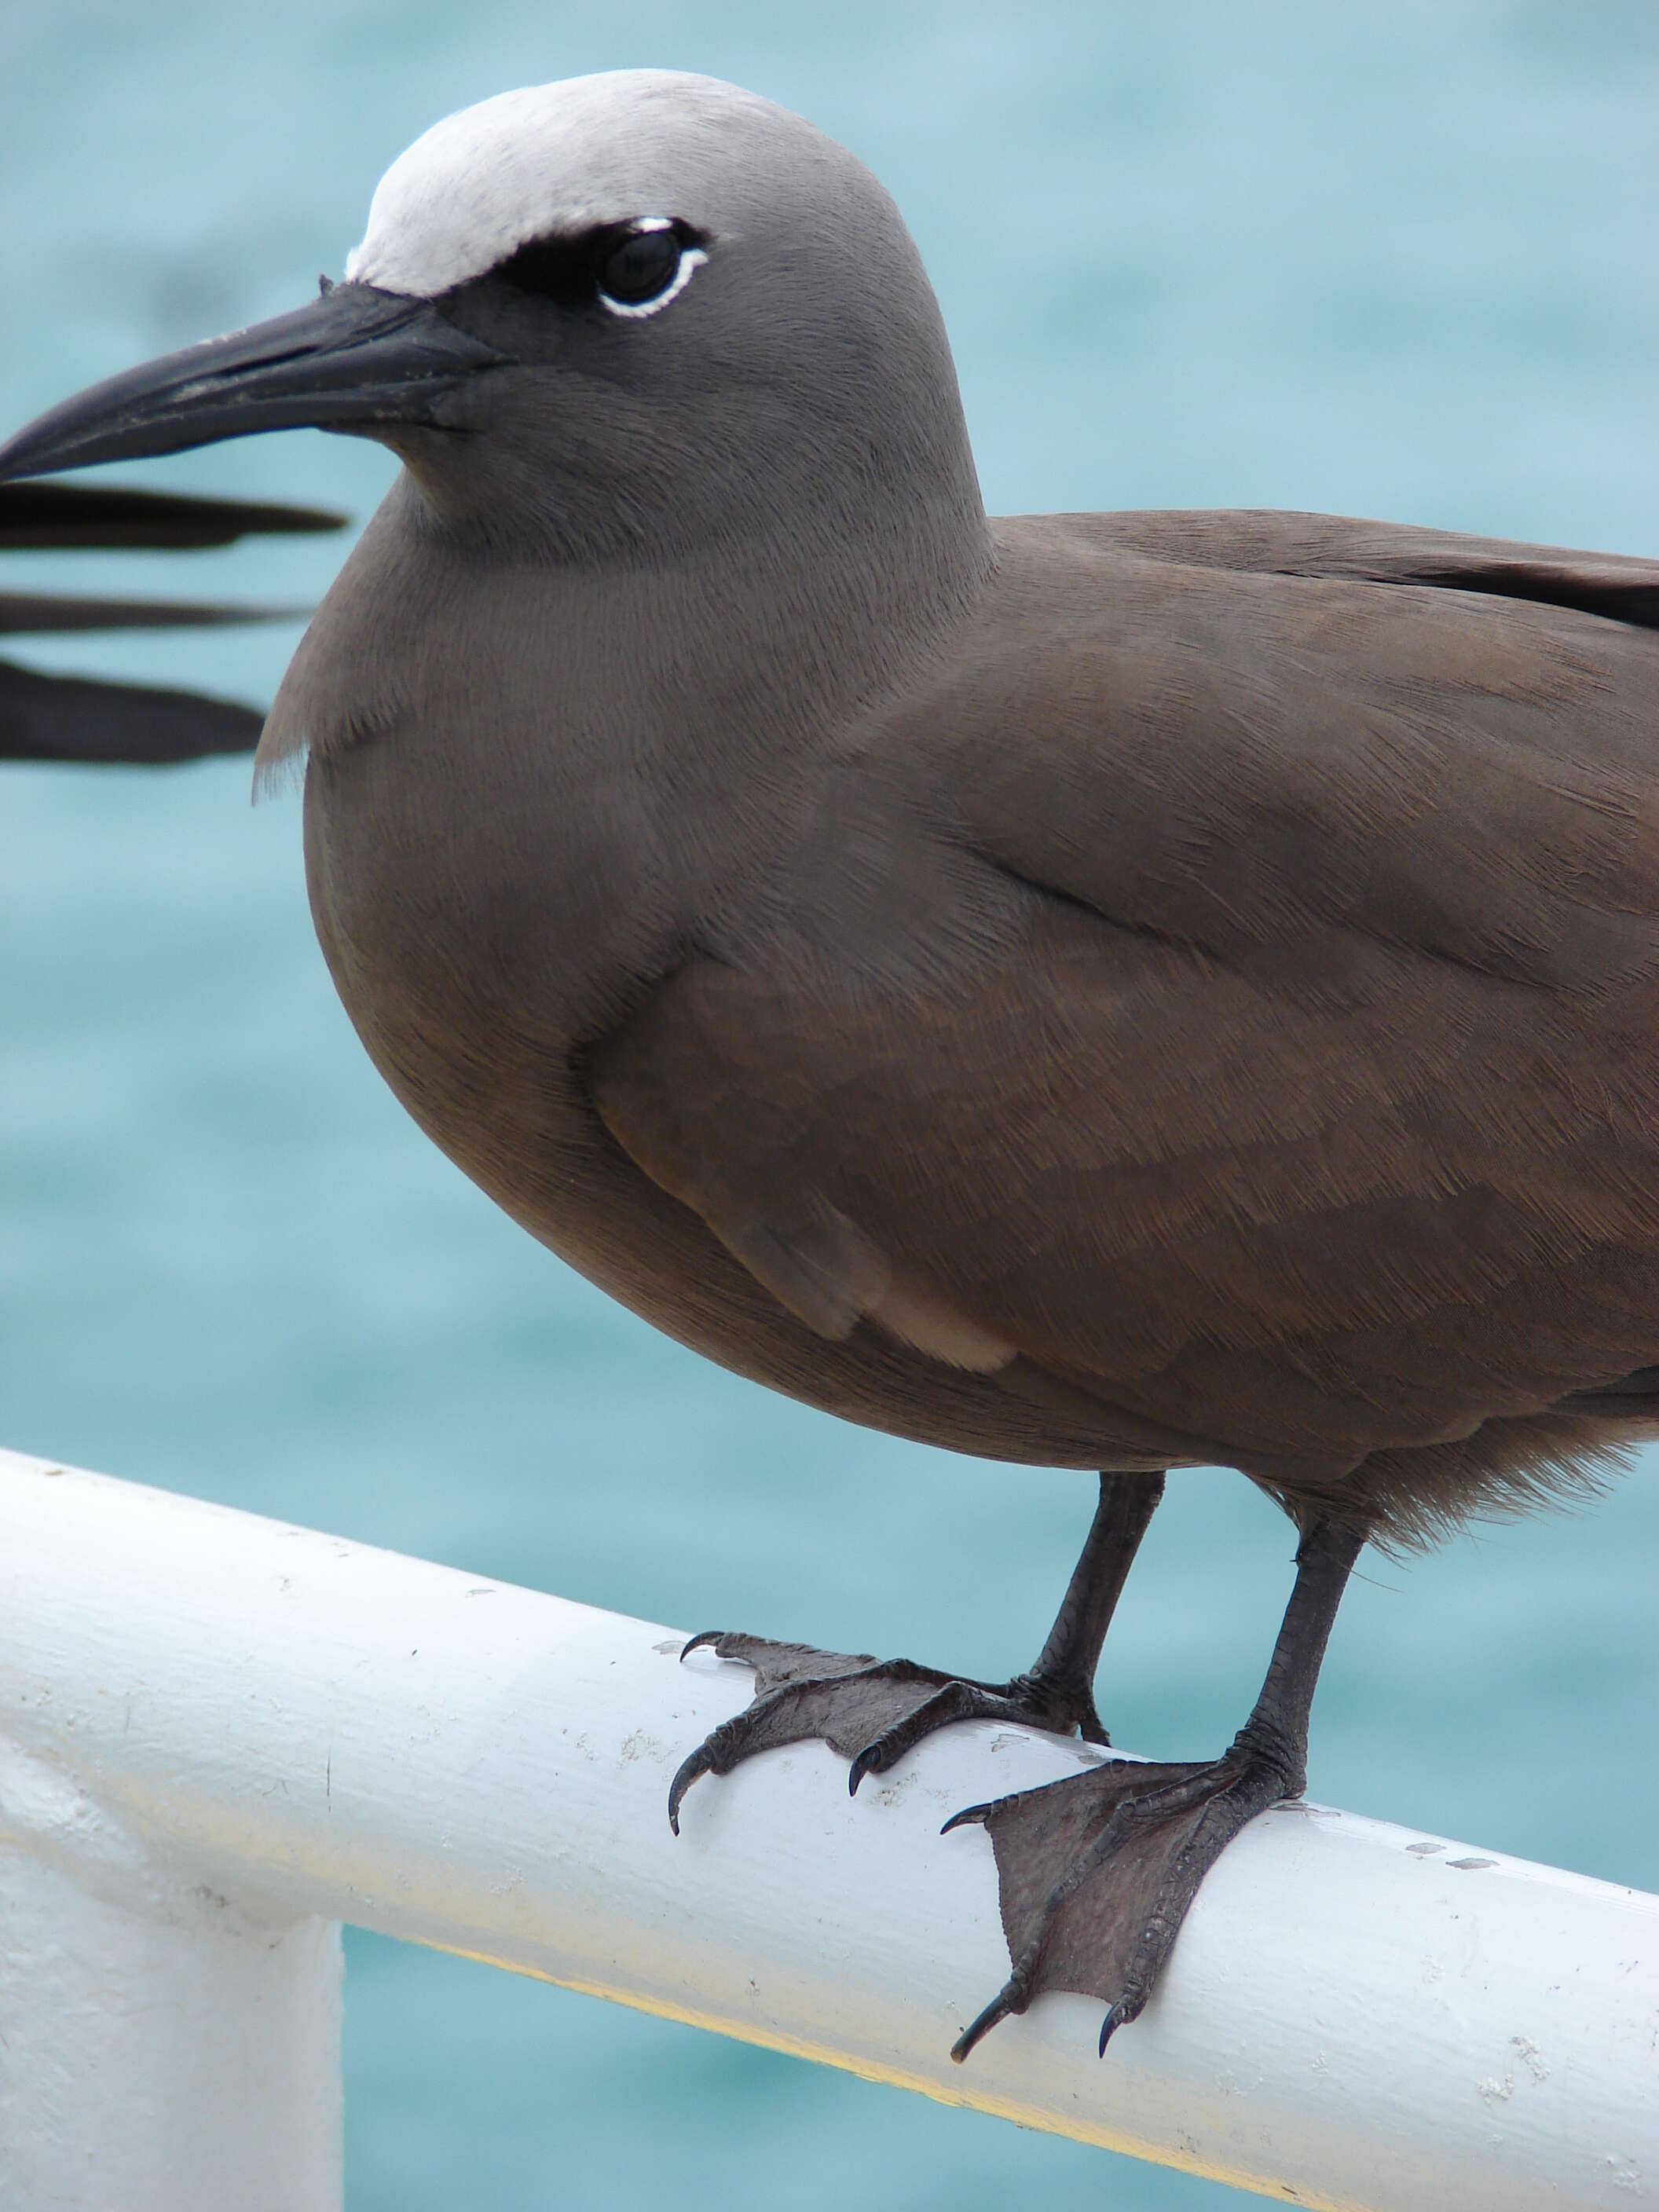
[{"x": 690, "y": 1769}]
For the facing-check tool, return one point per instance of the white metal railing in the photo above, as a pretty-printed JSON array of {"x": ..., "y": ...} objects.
[{"x": 220, "y": 1737}]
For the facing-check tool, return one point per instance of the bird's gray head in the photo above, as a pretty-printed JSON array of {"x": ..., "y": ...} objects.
[{"x": 639, "y": 314}]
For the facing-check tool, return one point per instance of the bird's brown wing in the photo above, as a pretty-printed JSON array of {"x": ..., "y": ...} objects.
[
  {"x": 1276, "y": 1053},
  {"x": 1272, "y": 542}
]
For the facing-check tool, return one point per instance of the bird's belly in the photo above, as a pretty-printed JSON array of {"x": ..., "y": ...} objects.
[
  {"x": 502, "y": 1093},
  {"x": 519, "y": 1125},
  {"x": 515, "y": 1116}
]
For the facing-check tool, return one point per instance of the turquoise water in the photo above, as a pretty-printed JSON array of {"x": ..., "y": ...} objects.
[{"x": 1392, "y": 262}]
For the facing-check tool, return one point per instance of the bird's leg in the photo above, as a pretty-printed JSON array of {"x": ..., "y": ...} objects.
[
  {"x": 1097, "y": 1872},
  {"x": 1062, "y": 1681},
  {"x": 872, "y": 1711}
]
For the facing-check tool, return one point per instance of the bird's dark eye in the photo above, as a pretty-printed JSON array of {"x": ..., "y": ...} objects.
[
  {"x": 637, "y": 269},
  {"x": 629, "y": 268}
]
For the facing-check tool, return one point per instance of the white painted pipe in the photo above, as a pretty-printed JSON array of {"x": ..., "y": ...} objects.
[{"x": 196, "y": 1701}]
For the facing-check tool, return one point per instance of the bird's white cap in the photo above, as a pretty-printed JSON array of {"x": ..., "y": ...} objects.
[{"x": 544, "y": 159}]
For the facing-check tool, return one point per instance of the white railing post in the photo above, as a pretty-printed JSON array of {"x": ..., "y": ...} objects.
[
  {"x": 196, "y": 1706},
  {"x": 173, "y": 2057}
]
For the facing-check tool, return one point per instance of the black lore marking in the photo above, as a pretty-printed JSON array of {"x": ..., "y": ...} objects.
[{"x": 624, "y": 267}]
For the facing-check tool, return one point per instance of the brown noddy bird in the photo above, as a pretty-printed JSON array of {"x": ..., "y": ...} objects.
[
  {"x": 67, "y": 719},
  {"x": 1117, "y": 991}
]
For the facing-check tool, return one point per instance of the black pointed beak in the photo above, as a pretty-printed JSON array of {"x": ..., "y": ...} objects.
[{"x": 355, "y": 360}]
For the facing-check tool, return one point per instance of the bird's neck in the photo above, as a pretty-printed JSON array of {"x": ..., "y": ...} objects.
[{"x": 754, "y": 647}]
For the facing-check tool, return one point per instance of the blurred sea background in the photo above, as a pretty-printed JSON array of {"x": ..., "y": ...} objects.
[{"x": 1396, "y": 262}]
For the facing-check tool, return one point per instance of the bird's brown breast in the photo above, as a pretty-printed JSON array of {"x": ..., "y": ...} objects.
[{"x": 495, "y": 1069}]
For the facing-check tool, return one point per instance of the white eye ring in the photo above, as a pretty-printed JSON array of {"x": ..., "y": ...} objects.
[{"x": 691, "y": 259}]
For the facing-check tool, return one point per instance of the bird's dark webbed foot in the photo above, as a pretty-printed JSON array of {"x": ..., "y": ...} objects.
[
  {"x": 873, "y": 1711},
  {"x": 1096, "y": 1873}
]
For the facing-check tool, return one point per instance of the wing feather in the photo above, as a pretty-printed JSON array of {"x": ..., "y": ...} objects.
[{"x": 1277, "y": 1054}]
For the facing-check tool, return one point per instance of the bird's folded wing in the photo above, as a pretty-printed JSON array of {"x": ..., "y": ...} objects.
[
  {"x": 1245, "y": 744},
  {"x": 1274, "y": 541},
  {"x": 1299, "y": 1087}
]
